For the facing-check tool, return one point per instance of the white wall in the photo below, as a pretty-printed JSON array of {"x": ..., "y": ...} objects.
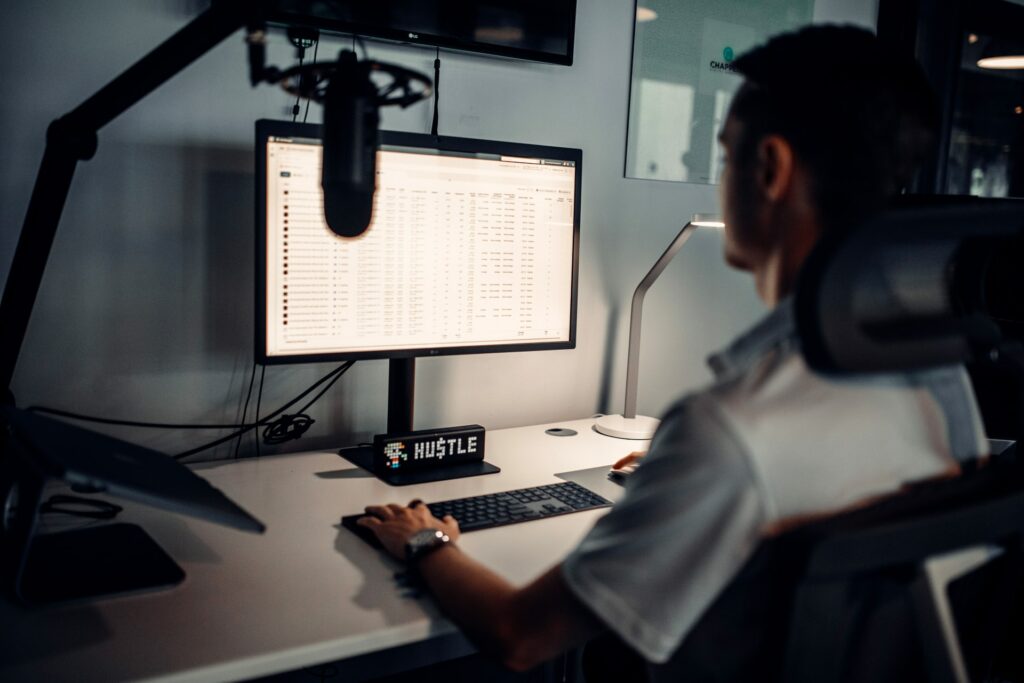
[{"x": 146, "y": 308}]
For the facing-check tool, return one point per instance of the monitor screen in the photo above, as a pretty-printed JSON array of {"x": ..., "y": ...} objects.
[
  {"x": 473, "y": 247},
  {"x": 540, "y": 30}
]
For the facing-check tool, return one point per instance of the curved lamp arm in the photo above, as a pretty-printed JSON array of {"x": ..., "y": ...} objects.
[
  {"x": 628, "y": 425},
  {"x": 636, "y": 312}
]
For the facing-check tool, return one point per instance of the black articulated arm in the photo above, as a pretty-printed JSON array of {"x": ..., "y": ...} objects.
[{"x": 72, "y": 138}]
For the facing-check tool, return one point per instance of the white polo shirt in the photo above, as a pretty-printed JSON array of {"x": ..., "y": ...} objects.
[{"x": 769, "y": 441}]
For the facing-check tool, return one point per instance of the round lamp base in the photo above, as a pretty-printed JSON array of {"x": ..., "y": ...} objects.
[{"x": 639, "y": 427}]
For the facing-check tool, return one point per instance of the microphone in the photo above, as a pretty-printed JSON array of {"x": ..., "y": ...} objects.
[{"x": 351, "y": 120}]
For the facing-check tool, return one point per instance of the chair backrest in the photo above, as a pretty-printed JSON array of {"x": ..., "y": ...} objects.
[
  {"x": 932, "y": 285},
  {"x": 874, "y": 594},
  {"x": 935, "y": 281}
]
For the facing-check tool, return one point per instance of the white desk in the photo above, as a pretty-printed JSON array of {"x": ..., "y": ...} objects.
[{"x": 306, "y": 591}]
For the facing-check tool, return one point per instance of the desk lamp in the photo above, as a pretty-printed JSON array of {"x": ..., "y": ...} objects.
[{"x": 629, "y": 425}]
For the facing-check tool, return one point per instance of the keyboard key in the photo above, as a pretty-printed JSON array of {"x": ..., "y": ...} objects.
[{"x": 474, "y": 525}]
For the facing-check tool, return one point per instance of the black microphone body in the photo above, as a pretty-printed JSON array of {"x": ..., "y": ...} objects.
[{"x": 351, "y": 120}]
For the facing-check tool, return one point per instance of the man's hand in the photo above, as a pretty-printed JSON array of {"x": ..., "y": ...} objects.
[
  {"x": 631, "y": 459},
  {"x": 395, "y": 524},
  {"x": 521, "y": 626}
]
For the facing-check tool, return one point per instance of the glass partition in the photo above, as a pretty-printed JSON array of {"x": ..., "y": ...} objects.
[{"x": 683, "y": 79}]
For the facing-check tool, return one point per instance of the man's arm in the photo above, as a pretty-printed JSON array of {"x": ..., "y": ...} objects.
[{"x": 522, "y": 627}]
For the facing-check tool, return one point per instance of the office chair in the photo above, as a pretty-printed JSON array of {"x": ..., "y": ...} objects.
[
  {"x": 925, "y": 585},
  {"x": 863, "y": 597}
]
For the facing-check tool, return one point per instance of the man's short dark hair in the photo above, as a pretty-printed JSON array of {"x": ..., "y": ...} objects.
[{"x": 861, "y": 117}]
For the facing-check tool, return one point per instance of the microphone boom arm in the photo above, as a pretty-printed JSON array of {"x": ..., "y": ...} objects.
[{"x": 73, "y": 138}]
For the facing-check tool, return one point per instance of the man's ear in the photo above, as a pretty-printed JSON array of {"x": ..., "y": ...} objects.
[{"x": 776, "y": 165}]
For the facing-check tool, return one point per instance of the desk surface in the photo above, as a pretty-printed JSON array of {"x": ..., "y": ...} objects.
[{"x": 305, "y": 592}]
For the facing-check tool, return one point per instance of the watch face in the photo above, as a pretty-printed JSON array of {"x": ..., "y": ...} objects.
[
  {"x": 423, "y": 542},
  {"x": 426, "y": 537}
]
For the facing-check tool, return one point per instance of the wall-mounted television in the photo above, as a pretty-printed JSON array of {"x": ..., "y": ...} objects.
[{"x": 539, "y": 30}]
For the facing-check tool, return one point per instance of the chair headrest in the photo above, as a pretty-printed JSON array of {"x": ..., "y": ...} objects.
[{"x": 936, "y": 283}]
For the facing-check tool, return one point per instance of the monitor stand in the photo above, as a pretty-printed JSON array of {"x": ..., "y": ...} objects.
[
  {"x": 78, "y": 564},
  {"x": 86, "y": 562},
  {"x": 401, "y": 390},
  {"x": 401, "y": 394}
]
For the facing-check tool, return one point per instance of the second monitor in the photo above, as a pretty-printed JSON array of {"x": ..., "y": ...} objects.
[{"x": 473, "y": 247}]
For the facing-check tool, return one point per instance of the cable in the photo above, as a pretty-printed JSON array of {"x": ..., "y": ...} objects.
[
  {"x": 289, "y": 427},
  {"x": 341, "y": 369},
  {"x": 286, "y": 428},
  {"x": 245, "y": 410},
  {"x": 437, "y": 88},
  {"x": 240, "y": 429},
  {"x": 324, "y": 390},
  {"x": 127, "y": 423},
  {"x": 245, "y": 428},
  {"x": 316, "y": 49},
  {"x": 302, "y": 39},
  {"x": 298, "y": 98},
  {"x": 259, "y": 401}
]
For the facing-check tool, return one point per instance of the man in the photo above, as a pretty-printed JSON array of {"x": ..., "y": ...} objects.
[{"x": 826, "y": 128}]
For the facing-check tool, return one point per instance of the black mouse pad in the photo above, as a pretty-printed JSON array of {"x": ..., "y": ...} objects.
[{"x": 598, "y": 480}]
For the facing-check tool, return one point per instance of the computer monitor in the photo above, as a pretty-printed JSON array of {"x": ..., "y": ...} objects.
[{"x": 473, "y": 248}]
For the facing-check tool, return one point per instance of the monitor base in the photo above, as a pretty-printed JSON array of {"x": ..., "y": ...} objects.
[{"x": 99, "y": 561}]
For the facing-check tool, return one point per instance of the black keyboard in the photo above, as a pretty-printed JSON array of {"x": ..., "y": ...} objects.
[{"x": 507, "y": 507}]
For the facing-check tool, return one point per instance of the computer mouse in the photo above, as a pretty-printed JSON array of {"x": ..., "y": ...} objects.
[{"x": 621, "y": 474}]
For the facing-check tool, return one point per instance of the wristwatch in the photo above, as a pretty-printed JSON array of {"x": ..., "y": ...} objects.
[{"x": 423, "y": 543}]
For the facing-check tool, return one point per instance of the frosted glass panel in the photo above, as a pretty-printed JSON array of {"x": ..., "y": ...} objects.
[{"x": 683, "y": 80}]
